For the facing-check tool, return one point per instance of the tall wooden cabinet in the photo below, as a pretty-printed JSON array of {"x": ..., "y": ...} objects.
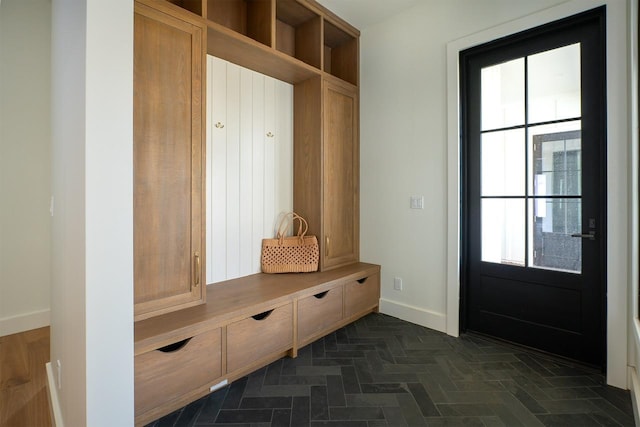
[
  {"x": 326, "y": 166},
  {"x": 168, "y": 159},
  {"x": 341, "y": 172}
]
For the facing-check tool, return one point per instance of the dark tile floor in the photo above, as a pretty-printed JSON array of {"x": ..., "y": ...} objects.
[{"x": 382, "y": 371}]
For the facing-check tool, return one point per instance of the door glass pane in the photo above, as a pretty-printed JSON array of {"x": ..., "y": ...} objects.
[
  {"x": 555, "y": 159},
  {"x": 502, "y": 95},
  {"x": 554, "y": 84},
  {"x": 503, "y": 231},
  {"x": 503, "y": 163},
  {"x": 551, "y": 244}
]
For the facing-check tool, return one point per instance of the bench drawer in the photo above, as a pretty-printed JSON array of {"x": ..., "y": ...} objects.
[
  {"x": 256, "y": 337},
  {"x": 166, "y": 374},
  {"x": 318, "y": 312},
  {"x": 362, "y": 295}
]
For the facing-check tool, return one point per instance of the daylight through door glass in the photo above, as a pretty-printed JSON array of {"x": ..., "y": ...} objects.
[{"x": 531, "y": 161}]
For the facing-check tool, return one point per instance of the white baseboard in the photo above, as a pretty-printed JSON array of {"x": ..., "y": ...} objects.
[
  {"x": 52, "y": 394},
  {"x": 24, "y": 322},
  {"x": 419, "y": 316},
  {"x": 634, "y": 385}
]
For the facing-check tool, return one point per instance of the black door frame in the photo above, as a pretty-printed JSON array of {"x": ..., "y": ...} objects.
[{"x": 598, "y": 14}]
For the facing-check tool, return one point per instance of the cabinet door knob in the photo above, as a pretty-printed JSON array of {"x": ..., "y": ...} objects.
[
  {"x": 270, "y": 135},
  {"x": 219, "y": 125},
  {"x": 326, "y": 246}
]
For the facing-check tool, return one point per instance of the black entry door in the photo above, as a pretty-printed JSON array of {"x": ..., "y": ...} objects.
[{"x": 533, "y": 238}]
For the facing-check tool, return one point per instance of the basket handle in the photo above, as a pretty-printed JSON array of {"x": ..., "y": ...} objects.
[{"x": 289, "y": 219}]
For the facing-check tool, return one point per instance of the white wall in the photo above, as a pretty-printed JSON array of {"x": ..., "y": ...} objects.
[
  {"x": 25, "y": 122},
  {"x": 634, "y": 223},
  {"x": 405, "y": 97},
  {"x": 404, "y": 146},
  {"x": 92, "y": 228}
]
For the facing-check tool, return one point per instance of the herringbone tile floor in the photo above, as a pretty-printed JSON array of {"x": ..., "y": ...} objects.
[{"x": 382, "y": 371}]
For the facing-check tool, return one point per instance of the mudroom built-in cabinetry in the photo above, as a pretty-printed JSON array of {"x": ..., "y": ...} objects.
[
  {"x": 168, "y": 157},
  {"x": 326, "y": 166},
  {"x": 243, "y": 110}
]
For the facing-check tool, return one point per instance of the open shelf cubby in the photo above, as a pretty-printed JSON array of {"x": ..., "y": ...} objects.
[
  {"x": 193, "y": 6},
  {"x": 251, "y": 18},
  {"x": 264, "y": 35},
  {"x": 340, "y": 53},
  {"x": 298, "y": 32}
]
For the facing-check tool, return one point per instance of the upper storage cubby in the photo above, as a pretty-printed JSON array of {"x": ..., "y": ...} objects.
[
  {"x": 298, "y": 32},
  {"x": 290, "y": 40},
  {"x": 340, "y": 53},
  {"x": 194, "y": 6},
  {"x": 251, "y": 18}
]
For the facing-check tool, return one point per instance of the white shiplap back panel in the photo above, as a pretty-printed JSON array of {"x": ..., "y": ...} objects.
[
  {"x": 245, "y": 172},
  {"x": 269, "y": 157},
  {"x": 208, "y": 171},
  {"x": 232, "y": 204},
  {"x": 259, "y": 140},
  {"x": 250, "y": 181},
  {"x": 284, "y": 143},
  {"x": 217, "y": 176}
]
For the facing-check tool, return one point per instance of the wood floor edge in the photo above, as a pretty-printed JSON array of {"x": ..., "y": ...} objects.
[{"x": 52, "y": 395}]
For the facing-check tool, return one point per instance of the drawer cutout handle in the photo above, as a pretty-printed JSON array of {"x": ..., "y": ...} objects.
[
  {"x": 176, "y": 346},
  {"x": 262, "y": 316},
  {"x": 321, "y": 295},
  {"x": 361, "y": 281}
]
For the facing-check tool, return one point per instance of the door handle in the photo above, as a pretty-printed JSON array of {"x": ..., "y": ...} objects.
[{"x": 591, "y": 235}]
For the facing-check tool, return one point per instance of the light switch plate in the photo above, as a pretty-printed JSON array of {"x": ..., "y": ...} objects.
[{"x": 417, "y": 202}]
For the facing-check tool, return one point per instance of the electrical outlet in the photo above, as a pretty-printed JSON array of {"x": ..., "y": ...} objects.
[{"x": 397, "y": 283}]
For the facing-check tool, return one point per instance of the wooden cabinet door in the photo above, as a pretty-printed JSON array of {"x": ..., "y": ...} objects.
[
  {"x": 168, "y": 169},
  {"x": 340, "y": 175}
]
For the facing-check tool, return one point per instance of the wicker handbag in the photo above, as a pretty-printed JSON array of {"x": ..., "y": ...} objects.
[{"x": 295, "y": 254}]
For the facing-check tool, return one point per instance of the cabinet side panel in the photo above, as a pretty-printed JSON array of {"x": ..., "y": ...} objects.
[
  {"x": 308, "y": 44},
  {"x": 260, "y": 17},
  {"x": 344, "y": 61},
  {"x": 162, "y": 159},
  {"x": 285, "y": 38},
  {"x": 230, "y": 13},
  {"x": 307, "y": 153}
]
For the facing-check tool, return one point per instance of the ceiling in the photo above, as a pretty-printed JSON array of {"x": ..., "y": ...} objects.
[{"x": 363, "y": 13}]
